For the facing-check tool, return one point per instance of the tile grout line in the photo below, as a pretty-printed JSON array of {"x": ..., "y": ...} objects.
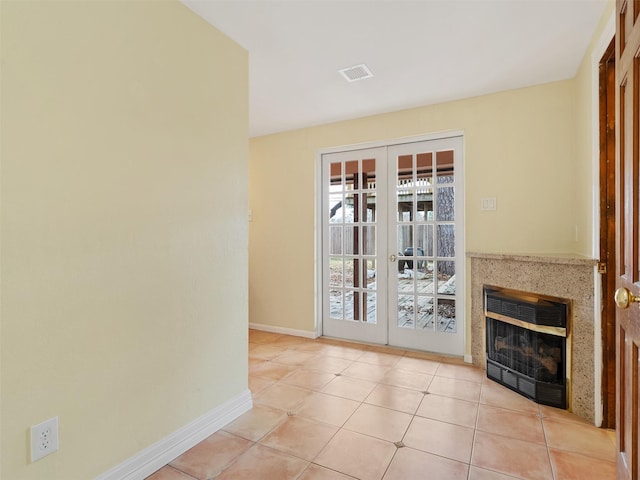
[
  {"x": 475, "y": 431},
  {"x": 395, "y": 367}
]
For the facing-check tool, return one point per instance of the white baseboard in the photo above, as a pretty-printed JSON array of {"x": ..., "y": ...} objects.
[
  {"x": 164, "y": 451},
  {"x": 285, "y": 331},
  {"x": 468, "y": 358}
]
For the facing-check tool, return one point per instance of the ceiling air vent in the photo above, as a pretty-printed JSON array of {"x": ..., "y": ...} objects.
[{"x": 357, "y": 72}]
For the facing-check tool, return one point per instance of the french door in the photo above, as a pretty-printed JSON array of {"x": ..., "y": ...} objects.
[
  {"x": 354, "y": 245},
  {"x": 392, "y": 255}
]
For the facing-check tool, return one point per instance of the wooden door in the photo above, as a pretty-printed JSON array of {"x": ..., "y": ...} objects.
[{"x": 627, "y": 220}]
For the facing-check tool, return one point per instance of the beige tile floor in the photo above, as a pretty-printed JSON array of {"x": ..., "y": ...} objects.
[{"x": 330, "y": 410}]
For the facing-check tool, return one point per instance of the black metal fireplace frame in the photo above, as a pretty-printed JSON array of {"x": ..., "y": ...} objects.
[{"x": 539, "y": 316}]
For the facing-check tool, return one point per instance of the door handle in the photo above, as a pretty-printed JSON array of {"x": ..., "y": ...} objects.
[
  {"x": 392, "y": 258},
  {"x": 624, "y": 298}
]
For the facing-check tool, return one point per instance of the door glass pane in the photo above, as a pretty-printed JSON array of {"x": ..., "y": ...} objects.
[
  {"x": 369, "y": 173},
  {"x": 405, "y": 170},
  {"x": 336, "y": 212},
  {"x": 446, "y": 278},
  {"x": 405, "y": 265},
  {"x": 335, "y": 240},
  {"x": 425, "y": 312},
  {"x": 412, "y": 261},
  {"x": 350, "y": 203},
  {"x": 424, "y": 187},
  {"x": 405, "y": 311},
  {"x": 351, "y": 175},
  {"x": 336, "y": 272},
  {"x": 446, "y": 240},
  {"x": 405, "y": 239},
  {"x": 445, "y": 203},
  {"x": 425, "y": 205},
  {"x": 349, "y": 267},
  {"x": 405, "y": 205},
  {"x": 359, "y": 207},
  {"x": 357, "y": 305},
  {"x": 424, "y": 239},
  {"x": 369, "y": 201},
  {"x": 335, "y": 304},
  {"x": 424, "y": 166},
  {"x": 424, "y": 282},
  {"x": 335, "y": 180},
  {"x": 405, "y": 281},
  {"x": 368, "y": 240},
  {"x": 351, "y": 298},
  {"x": 446, "y": 315},
  {"x": 371, "y": 307},
  {"x": 351, "y": 240},
  {"x": 444, "y": 166},
  {"x": 369, "y": 275}
]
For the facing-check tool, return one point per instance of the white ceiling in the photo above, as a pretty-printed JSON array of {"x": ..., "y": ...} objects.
[{"x": 420, "y": 52}]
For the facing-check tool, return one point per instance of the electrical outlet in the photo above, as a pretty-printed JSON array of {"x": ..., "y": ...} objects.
[{"x": 44, "y": 439}]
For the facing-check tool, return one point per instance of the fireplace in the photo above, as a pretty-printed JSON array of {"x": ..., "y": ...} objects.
[{"x": 527, "y": 344}]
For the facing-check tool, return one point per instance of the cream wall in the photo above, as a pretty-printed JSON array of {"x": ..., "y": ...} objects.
[
  {"x": 519, "y": 148},
  {"x": 587, "y": 135},
  {"x": 124, "y": 236}
]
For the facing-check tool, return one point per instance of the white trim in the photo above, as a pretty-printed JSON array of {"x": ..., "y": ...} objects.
[
  {"x": 388, "y": 143},
  {"x": 317, "y": 246},
  {"x": 468, "y": 358},
  {"x": 598, "y": 51},
  {"x": 283, "y": 330},
  {"x": 598, "y": 362},
  {"x": 164, "y": 451}
]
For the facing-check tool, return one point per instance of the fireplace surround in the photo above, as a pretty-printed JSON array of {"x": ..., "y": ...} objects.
[{"x": 572, "y": 277}]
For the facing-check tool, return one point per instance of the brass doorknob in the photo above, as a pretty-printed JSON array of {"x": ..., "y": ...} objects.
[{"x": 624, "y": 298}]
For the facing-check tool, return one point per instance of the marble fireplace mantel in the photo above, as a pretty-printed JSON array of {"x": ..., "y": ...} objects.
[{"x": 564, "y": 275}]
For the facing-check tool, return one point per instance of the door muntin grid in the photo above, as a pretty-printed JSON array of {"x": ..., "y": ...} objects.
[{"x": 352, "y": 224}]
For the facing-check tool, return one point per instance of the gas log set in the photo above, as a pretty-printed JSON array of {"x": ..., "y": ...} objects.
[{"x": 526, "y": 343}]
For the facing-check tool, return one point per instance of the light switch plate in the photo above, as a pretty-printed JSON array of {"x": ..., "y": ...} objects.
[{"x": 488, "y": 203}]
